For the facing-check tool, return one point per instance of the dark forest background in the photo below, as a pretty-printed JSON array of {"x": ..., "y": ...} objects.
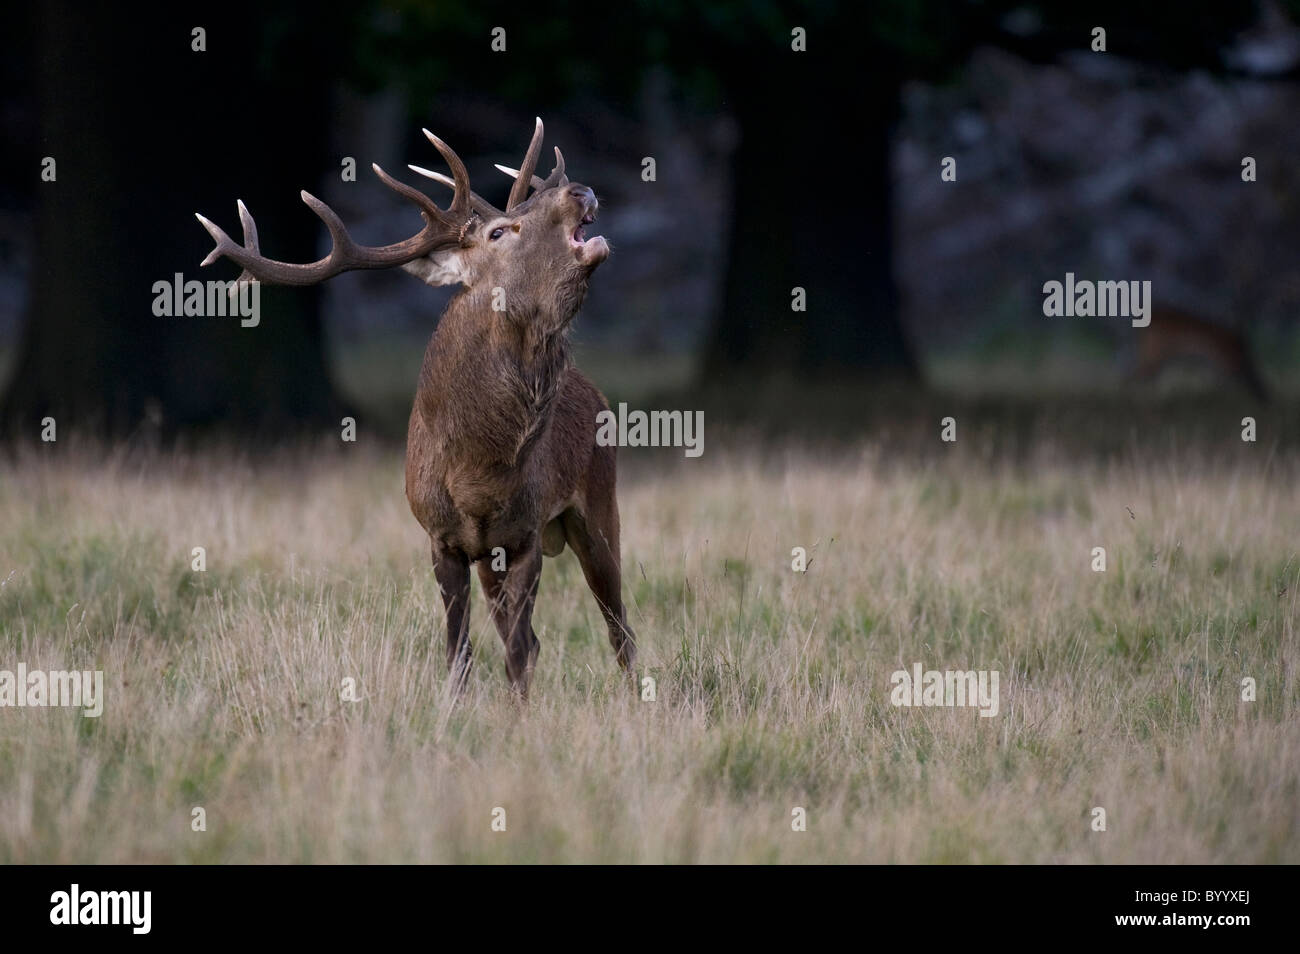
[{"x": 775, "y": 169}]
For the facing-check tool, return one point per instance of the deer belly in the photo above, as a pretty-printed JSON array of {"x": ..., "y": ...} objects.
[{"x": 483, "y": 525}]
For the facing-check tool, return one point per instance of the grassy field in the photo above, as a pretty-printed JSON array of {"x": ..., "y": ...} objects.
[{"x": 1119, "y": 689}]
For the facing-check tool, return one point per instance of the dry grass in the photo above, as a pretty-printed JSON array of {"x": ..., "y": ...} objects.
[{"x": 1118, "y": 689}]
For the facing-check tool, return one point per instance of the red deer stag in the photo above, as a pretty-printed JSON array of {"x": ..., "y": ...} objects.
[{"x": 501, "y": 449}]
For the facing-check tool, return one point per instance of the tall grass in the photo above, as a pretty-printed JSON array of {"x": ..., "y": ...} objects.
[{"x": 1119, "y": 690}]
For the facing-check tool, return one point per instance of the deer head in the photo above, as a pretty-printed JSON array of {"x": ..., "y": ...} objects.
[{"x": 535, "y": 249}]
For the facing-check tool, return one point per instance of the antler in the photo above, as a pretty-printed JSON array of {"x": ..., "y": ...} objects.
[
  {"x": 523, "y": 176},
  {"x": 480, "y": 205},
  {"x": 441, "y": 229},
  {"x": 557, "y": 176},
  {"x": 518, "y": 194}
]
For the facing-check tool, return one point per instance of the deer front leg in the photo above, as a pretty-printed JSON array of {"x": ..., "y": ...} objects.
[
  {"x": 494, "y": 588},
  {"x": 513, "y": 599},
  {"x": 451, "y": 569}
]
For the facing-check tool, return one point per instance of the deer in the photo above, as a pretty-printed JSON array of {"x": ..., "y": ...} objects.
[
  {"x": 502, "y": 459},
  {"x": 1177, "y": 336}
]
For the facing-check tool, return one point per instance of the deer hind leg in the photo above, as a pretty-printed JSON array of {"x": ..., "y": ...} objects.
[
  {"x": 511, "y": 594},
  {"x": 451, "y": 569},
  {"x": 594, "y": 539}
]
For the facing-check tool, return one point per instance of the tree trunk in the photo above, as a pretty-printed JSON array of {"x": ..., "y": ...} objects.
[
  {"x": 811, "y": 210},
  {"x": 145, "y": 131}
]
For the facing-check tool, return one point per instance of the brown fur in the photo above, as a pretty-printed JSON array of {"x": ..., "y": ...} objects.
[
  {"x": 1175, "y": 336},
  {"x": 501, "y": 448}
]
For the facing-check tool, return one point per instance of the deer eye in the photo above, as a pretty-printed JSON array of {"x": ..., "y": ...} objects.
[{"x": 496, "y": 234}]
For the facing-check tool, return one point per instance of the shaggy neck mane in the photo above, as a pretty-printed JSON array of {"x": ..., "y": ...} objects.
[{"x": 488, "y": 387}]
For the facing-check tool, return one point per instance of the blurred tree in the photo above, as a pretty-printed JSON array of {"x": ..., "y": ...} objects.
[
  {"x": 146, "y": 131},
  {"x": 811, "y": 197},
  {"x": 812, "y": 184}
]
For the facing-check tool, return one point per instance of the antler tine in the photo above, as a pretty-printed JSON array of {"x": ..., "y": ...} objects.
[
  {"x": 430, "y": 208},
  {"x": 461, "y": 197},
  {"x": 557, "y": 176},
  {"x": 482, "y": 206},
  {"x": 250, "y": 227},
  {"x": 250, "y": 243},
  {"x": 524, "y": 180},
  {"x": 441, "y": 228},
  {"x": 343, "y": 244},
  {"x": 225, "y": 244},
  {"x": 514, "y": 174}
]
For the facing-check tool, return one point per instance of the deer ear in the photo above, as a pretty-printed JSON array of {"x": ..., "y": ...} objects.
[{"x": 446, "y": 267}]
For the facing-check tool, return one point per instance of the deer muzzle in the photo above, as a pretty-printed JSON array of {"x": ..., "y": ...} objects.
[{"x": 589, "y": 251}]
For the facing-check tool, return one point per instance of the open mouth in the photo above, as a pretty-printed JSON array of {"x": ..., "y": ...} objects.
[{"x": 580, "y": 237}]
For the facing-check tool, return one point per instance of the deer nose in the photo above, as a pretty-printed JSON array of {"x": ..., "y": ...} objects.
[{"x": 585, "y": 197}]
